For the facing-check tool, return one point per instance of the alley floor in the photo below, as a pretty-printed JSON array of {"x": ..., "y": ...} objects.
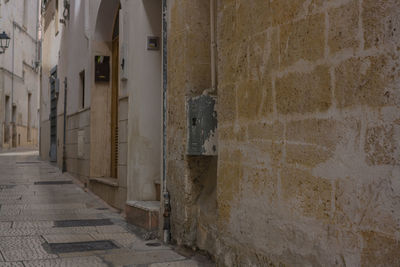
[{"x": 46, "y": 219}]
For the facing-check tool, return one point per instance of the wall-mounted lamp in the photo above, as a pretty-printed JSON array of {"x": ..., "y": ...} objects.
[
  {"x": 66, "y": 13},
  {"x": 4, "y": 42}
]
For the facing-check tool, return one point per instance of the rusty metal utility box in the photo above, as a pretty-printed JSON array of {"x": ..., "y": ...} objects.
[{"x": 202, "y": 126}]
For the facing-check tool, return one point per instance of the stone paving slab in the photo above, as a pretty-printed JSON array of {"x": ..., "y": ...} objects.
[
  {"x": 60, "y": 206},
  {"x": 28, "y": 231},
  {"x": 5, "y": 225},
  {"x": 38, "y": 217},
  {"x": 11, "y": 264},
  {"x": 67, "y": 238},
  {"x": 23, "y": 248},
  {"x": 184, "y": 263},
  {"x": 69, "y": 230},
  {"x": 122, "y": 239},
  {"x": 68, "y": 262},
  {"x": 123, "y": 259}
]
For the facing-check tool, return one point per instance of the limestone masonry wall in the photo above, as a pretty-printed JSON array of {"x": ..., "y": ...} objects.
[
  {"x": 309, "y": 132},
  {"x": 188, "y": 76},
  {"x": 308, "y": 168}
]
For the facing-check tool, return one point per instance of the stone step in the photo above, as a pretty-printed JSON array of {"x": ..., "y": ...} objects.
[{"x": 143, "y": 214}]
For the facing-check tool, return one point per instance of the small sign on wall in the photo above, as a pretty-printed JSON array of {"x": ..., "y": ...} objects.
[
  {"x": 153, "y": 43},
  {"x": 102, "y": 68}
]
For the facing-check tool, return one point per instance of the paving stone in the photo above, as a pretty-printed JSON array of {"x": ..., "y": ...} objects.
[
  {"x": 67, "y": 262},
  {"x": 122, "y": 239},
  {"x": 60, "y": 211},
  {"x": 28, "y": 213},
  {"x": 61, "y": 206},
  {"x": 185, "y": 263},
  {"x": 30, "y": 224},
  {"x": 66, "y": 230},
  {"x": 141, "y": 257},
  {"x": 11, "y": 264},
  {"x": 42, "y": 216},
  {"x": 5, "y": 225},
  {"x": 66, "y": 238},
  {"x": 23, "y": 248}
]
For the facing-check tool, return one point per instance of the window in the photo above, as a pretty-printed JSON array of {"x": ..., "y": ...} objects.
[
  {"x": 7, "y": 120},
  {"x": 82, "y": 89},
  {"x": 28, "y": 137}
]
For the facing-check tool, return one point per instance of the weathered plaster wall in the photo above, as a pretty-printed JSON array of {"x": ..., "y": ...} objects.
[{"x": 309, "y": 132}]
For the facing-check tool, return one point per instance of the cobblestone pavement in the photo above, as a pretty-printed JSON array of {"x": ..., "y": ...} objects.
[{"x": 46, "y": 219}]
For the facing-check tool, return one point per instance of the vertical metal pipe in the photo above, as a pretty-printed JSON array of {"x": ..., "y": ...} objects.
[
  {"x": 64, "y": 162},
  {"x": 166, "y": 197},
  {"x": 12, "y": 68},
  {"x": 213, "y": 46},
  {"x": 37, "y": 28}
]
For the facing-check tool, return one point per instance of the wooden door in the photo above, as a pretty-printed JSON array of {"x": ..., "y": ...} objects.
[{"x": 114, "y": 108}]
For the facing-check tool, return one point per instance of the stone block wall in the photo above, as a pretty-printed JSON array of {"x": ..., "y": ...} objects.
[
  {"x": 309, "y": 132},
  {"x": 122, "y": 142},
  {"x": 191, "y": 180},
  {"x": 308, "y": 169},
  {"x": 77, "y": 144}
]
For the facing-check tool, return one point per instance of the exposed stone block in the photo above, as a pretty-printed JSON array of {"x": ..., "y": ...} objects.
[
  {"x": 382, "y": 145},
  {"x": 381, "y": 22},
  {"x": 322, "y": 132},
  {"x": 371, "y": 81},
  {"x": 304, "y": 39},
  {"x": 306, "y": 155},
  {"x": 226, "y": 104},
  {"x": 284, "y": 11},
  {"x": 249, "y": 98},
  {"x": 264, "y": 131},
  {"x": 233, "y": 62},
  {"x": 306, "y": 194},
  {"x": 228, "y": 186},
  {"x": 343, "y": 27},
  {"x": 379, "y": 250},
  {"x": 230, "y": 133},
  {"x": 252, "y": 17},
  {"x": 304, "y": 92}
]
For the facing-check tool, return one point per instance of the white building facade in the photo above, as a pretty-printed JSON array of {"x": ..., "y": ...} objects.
[
  {"x": 20, "y": 74},
  {"x": 101, "y": 96}
]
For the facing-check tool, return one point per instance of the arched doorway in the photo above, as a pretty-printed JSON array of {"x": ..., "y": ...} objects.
[{"x": 106, "y": 110}]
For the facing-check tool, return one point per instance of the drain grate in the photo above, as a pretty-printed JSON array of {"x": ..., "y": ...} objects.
[
  {"x": 56, "y": 248},
  {"x": 52, "y": 182},
  {"x": 6, "y": 186},
  {"x": 153, "y": 244},
  {"x": 78, "y": 223}
]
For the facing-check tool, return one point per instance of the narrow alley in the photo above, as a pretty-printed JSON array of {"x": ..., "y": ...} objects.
[
  {"x": 222, "y": 133},
  {"x": 46, "y": 219}
]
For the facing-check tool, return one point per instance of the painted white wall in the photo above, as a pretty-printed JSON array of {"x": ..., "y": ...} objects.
[
  {"x": 145, "y": 91},
  {"x": 83, "y": 38}
]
